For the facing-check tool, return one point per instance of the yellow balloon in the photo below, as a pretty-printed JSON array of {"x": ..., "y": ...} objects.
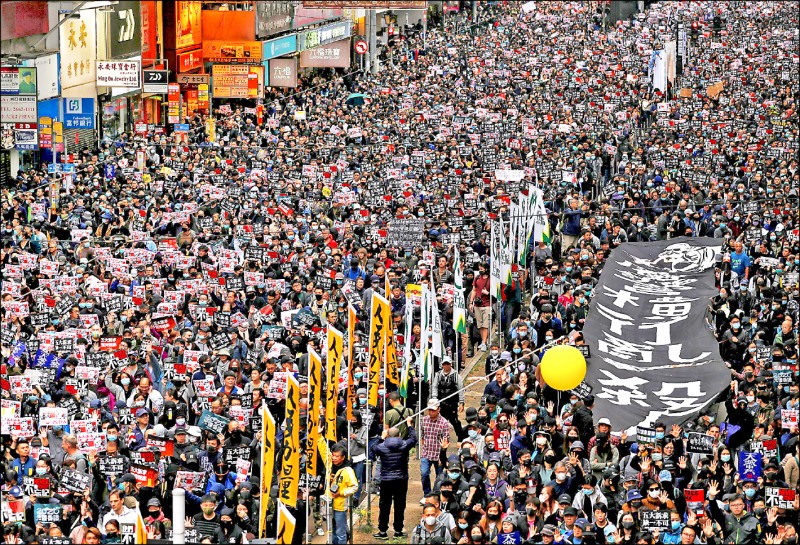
[{"x": 563, "y": 367}]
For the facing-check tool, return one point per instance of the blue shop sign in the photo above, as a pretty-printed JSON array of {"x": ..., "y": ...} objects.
[
  {"x": 78, "y": 113},
  {"x": 279, "y": 47}
]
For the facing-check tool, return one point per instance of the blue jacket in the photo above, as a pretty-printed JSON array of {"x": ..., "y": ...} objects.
[
  {"x": 393, "y": 453},
  {"x": 572, "y": 223},
  {"x": 23, "y": 470}
]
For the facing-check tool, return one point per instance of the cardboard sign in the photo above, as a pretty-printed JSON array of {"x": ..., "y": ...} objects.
[
  {"x": 190, "y": 480},
  {"x": 655, "y": 520},
  {"x": 146, "y": 476},
  {"x": 700, "y": 443},
  {"x": 165, "y": 446},
  {"x": 74, "y": 480},
  {"x": 782, "y": 498},
  {"x": 645, "y": 436},
  {"x": 212, "y": 422},
  {"x": 111, "y": 466},
  {"x": 231, "y": 455},
  {"x": 750, "y": 466},
  {"x": 789, "y": 418}
]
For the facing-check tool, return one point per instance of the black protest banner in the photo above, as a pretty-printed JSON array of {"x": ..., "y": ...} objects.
[
  {"x": 655, "y": 520},
  {"x": 406, "y": 233},
  {"x": 655, "y": 358},
  {"x": 127, "y": 532},
  {"x": 55, "y": 540},
  {"x": 212, "y": 422},
  {"x": 700, "y": 443},
  {"x": 218, "y": 341},
  {"x": 74, "y": 481},
  {"x": 236, "y": 453},
  {"x": 645, "y": 436},
  {"x": 111, "y": 466}
]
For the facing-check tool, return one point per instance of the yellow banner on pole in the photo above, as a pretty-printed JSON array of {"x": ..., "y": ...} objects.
[
  {"x": 268, "y": 429},
  {"x": 351, "y": 386},
  {"x": 380, "y": 322},
  {"x": 286, "y": 523},
  {"x": 392, "y": 374},
  {"x": 334, "y": 363},
  {"x": 290, "y": 471},
  {"x": 314, "y": 403}
]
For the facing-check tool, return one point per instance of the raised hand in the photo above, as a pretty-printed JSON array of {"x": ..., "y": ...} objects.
[
  {"x": 713, "y": 489},
  {"x": 772, "y": 515},
  {"x": 550, "y": 407},
  {"x": 676, "y": 431},
  {"x": 713, "y": 466},
  {"x": 727, "y": 468},
  {"x": 691, "y": 520},
  {"x": 663, "y": 497},
  {"x": 708, "y": 528},
  {"x": 682, "y": 462}
]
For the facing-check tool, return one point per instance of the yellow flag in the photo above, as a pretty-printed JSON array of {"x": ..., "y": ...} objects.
[
  {"x": 392, "y": 375},
  {"x": 268, "y": 429},
  {"x": 351, "y": 386},
  {"x": 314, "y": 402},
  {"x": 286, "y": 524},
  {"x": 290, "y": 471},
  {"x": 141, "y": 529},
  {"x": 380, "y": 322},
  {"x": 334, "y": 363}
]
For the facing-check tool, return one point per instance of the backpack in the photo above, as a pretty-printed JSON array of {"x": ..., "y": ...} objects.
[
  {"x": 447, "y": 386},
  {"x": 439, "y": 533}
]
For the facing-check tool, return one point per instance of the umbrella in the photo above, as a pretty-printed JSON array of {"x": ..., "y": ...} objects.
[{"x": 355, "y": 99}]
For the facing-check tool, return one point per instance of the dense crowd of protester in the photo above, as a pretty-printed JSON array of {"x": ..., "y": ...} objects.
[{"x": 192, "y": 277}]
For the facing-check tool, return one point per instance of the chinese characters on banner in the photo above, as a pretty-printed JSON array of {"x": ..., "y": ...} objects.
[
  {"x": 78, "y": 39},
  {"x": 314, "y": 400},
  {"x": 656, "y": 359},
  {"x": 380, "y": 322},
  {"x": 290, "y": 470}
]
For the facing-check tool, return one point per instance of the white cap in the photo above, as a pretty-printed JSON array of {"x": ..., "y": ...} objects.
[
  {"x": 605, "y": 421},
  {"x": 433, "y": 404}
]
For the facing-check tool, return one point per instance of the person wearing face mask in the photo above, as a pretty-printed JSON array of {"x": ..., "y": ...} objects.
[
  {"x": 738, "y": 526},
  {"x": 230, "y": 531},
  {"x": 208, "y": 522}
]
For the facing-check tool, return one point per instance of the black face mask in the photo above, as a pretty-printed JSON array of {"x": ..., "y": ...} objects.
[
  {"x": 519, "y": 497},
  {"x": 550, "y": 459}
]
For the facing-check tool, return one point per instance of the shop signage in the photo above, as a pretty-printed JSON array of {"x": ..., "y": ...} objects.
[
  {"x": 309, "y": 16},
  {"x": 125, "y": 24},
  {"x": 280, "y": 47},
  {"x": 18, "y": 95},
  {"x": 192, "y": 79},
  {"x": 283, "y": 72},
  {"x": 333, "y": 55},
  {"x": 188, "y": 24},
  {"x": 324, "y": 35},
  {"x": 119, "y": 74},
  {"x": 235, "y": 81},
  {"x": 190, "y": 60},
  {"x": 181, "y": 127},
  {"x": 149, "y": 16},
  {"x": 155, "y": 81},
  {"x": 45, "y": 132},
  {"x": 245, "y": 52},
  {"x": 78, "y": 39},
  {"x": 78, "y": 113},
  {"x": 174, "y": 103},
  {"x": 26, "y": 136},
  {"x": 273, "y": 17}
]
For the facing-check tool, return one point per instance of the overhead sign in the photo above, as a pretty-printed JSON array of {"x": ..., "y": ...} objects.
[
  {"x": 279, "y": 47},
  {"x": 333, "y": 55},
  {"x": 324, "y": 35},
  {"x": 125, "y": 24},
  {"x": 236, "y": 81},
  {"x": 273, "y": 17},
  {"x": 119, "y": 74},
  {"x": 155, "y": 81},
  {"x": 26, "y": 136},
  {"x": 18, "y": 95},
  {"x": 149, "y": 26},
  {"x": 655, "y": 359},
  {"x": 244, "y": 52},
  {"x": 78, "y": 42}
]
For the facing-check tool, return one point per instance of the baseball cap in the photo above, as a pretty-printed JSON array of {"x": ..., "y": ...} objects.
[
  {"x": 565, "y": 498},
  {"x": 605, "y": 421},
  {"x": 634, "y": 495},
  {"x": 141, "y": 411}
]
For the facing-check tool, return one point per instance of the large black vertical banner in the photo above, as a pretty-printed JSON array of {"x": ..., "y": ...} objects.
[{"x": 654, "y": 357}]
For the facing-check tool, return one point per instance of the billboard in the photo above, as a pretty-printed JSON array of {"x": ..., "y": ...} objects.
[
  {"x": 324, "y": 35},
  {"x": 18, "y": 95},
  {"x": 149, "y": 26},
  {"x": 333, "y": 55},
  {"x": 273, "y": 17},
  {"x": 188, "y": 24},
  {"x": 20, "y": 19},
  {"x": 237, "y": 81},
  {"x": 246, "y": 52},
  {"x": 125, "y": 73},
  {"x": 78, "y": 40},
  {"x": 125, "y": 29}
]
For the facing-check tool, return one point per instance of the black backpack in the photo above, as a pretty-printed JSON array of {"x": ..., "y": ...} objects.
[{"x": 448, "y": 385}]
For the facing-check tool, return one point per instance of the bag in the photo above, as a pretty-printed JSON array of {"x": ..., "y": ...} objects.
[{"x": 447, "y": 386}]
